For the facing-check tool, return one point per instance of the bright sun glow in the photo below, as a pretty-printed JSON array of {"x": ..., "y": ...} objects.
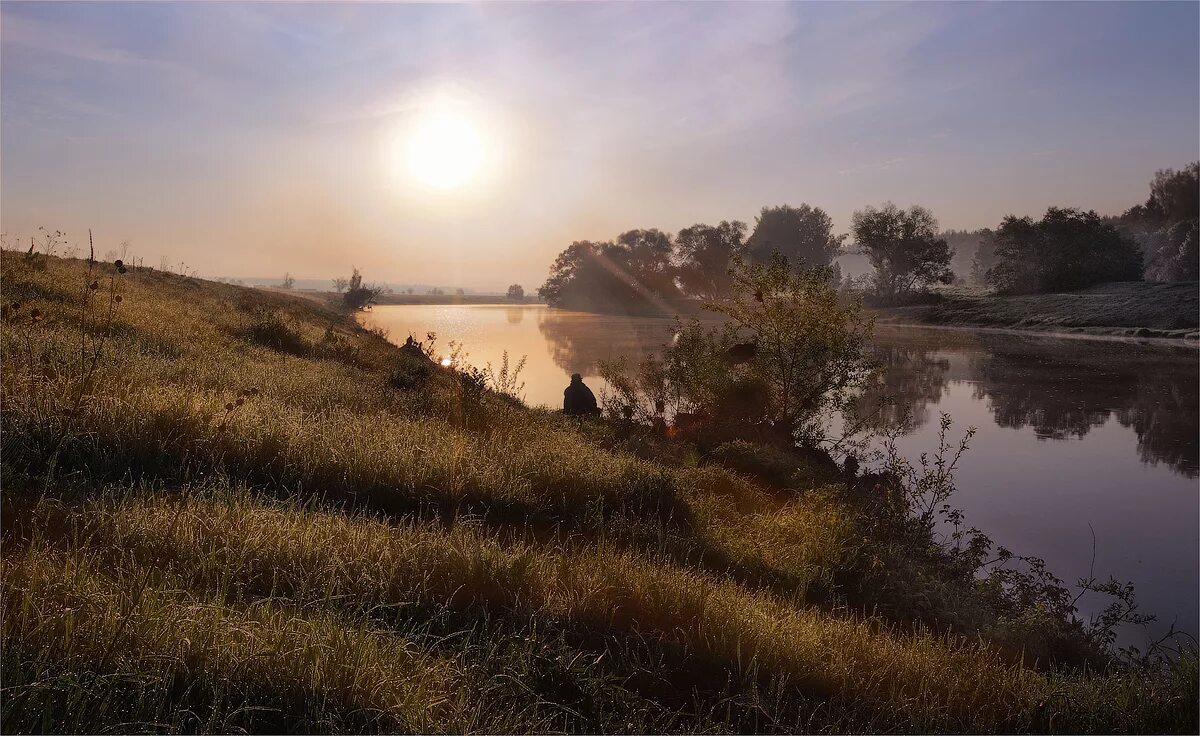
[{"x": 445, "y": 149}]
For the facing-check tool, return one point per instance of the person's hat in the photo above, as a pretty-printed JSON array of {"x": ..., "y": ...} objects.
[{"x": 576, "y": 377}]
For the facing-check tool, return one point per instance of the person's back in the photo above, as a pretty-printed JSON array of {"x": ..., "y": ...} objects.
[{"x": 578, "y": 399}]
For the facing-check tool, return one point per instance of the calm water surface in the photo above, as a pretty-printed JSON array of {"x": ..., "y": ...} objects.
[{"x": 1074, "y": 435}]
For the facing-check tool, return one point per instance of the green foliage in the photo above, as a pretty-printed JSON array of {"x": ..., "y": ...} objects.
[
  {"x": 904, "y": 248},
  {"x": 809, "y": 341},
  {"x": 805, "y": 360},
  {"x": 704, "y": 254},
  {"x": 803, "y": 235},
  {"x": 1068, "y": 249}
]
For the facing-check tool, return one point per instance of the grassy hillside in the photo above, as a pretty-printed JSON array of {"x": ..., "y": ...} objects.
[
  {"x": 230, "y": 509},
  {"x": 1130, "y": 309}
]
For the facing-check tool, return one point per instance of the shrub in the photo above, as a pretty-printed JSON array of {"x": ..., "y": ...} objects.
[
  {"x": 357, "y": 296},
  {"x": 270, "y": 328},
  {"x": 1068, "y": 249}
]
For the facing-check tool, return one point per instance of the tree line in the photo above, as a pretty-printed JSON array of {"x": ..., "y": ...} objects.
[
  {"x": 1066, "y": 249},
  {"x": 644, "y": 268}
]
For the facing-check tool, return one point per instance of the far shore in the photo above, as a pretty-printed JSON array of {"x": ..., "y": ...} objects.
[{"x": 1123, "y": 310}]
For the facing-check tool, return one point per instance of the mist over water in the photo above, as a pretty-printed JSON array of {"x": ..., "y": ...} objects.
[{"x": 1074, "y": 435}]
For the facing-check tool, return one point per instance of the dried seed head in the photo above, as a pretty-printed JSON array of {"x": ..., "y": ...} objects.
[
  {"x": 117, "y": 298},
  {"x": 119, "y": 263},
  {"x": 94, "y": 285},
  {"x": 36, "y": 313},
  {"x": 229, "y": 407},
  {"x": 121, "y": 269}
]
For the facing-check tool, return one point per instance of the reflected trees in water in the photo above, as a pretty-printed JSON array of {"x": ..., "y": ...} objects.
[
  {"x": 1064, "y": 390},
  {"x": 909, "y": 379}
]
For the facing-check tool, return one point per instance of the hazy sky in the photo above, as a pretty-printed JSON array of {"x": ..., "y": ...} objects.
[{"x": 248, "y": 140}]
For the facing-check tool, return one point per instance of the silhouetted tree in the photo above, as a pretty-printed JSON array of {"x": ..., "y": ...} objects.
[
  {"x": 633, "y": 274},
  {"x": 704, "y": 254},
  {"x": 1067, "y": 249},
  {"x": 1166, "y": 225},
  {"x": 288, "y": 282},
  {"x": 1174, "y": 196},
  {"x": 340, "y": 284},
  {"x": 972, "y": 254},
  {"x": 903, "y": 247},
  {"x": 808, "y": 361},
  {"x": 985, "y": 256},
  {"x": 357, "y": 295},
  {"x": 803, "y": 235},
  {"x": 1174, "y": 252},
  {"x": 649, "y": 259},
  {"x": 516, "y": 292}
]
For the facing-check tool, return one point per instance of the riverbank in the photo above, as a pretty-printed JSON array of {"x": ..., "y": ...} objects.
[
  {"x": 334, "y": 299},
  {"x": 1126, "y": 309},
  {"x": 243, "y": 511}
]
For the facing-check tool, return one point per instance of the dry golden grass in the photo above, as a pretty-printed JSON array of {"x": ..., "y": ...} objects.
[
  {"x": 546, "y": 550},
  {"x": 62, "y": 609},
  {"x": 306, "y": 558}
]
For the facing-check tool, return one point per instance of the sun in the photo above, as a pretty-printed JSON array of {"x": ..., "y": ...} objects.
[{"x": 445, "y": 149}]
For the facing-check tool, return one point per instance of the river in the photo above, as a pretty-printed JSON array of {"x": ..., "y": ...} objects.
[{"x": 1075, "y": 435}]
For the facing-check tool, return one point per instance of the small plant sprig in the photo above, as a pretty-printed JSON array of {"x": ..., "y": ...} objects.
[
  {"x": 95, "y": 330},
  {"x": 232, "y": 407},
  {"x": 507, "y": 380}
]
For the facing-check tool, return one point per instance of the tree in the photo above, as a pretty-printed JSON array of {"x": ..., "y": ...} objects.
[
  {"x": 1067, "y": 249},
  {"x": 648, "y": 259},
  {"x": 904, "y": 248},
  {"x": 1164, "y": 224},
  {"x": 703, "y": 256},
  {"x": 340, "y": 284},
  {"x": 1175, "y": 195},
  {"x": 634, "y": 274},
  {"x": 806, "y": 351},
  {"x": 972, "y": 253},
  {"x": 460, "y": 292},
  {"x": 357, "y": 295},
  {"x": 803, "y": 235},
  {"x": 1174, "y": 253},
  {"x": 985, "y": 256},
  {"x": 516, "y": 292},
  {"x": 288, "y": 282}
]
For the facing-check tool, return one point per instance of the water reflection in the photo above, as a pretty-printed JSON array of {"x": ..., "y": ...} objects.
[
  {"x": 908, "y": 381},
  {"x": 1060, "y": 389},
  {"x": 1064, "y": 389},
  {"x": 1054, "y": 388},
  {"x": 579, "y": 341}
]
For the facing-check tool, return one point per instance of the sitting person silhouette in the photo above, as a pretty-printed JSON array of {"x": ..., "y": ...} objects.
[{"x": 578, "y": 399}]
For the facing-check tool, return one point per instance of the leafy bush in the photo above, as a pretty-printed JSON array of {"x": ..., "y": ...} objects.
[
  {"x": 791, "y": 353},
  {"x": 357, "y": 296},
  {"x": 1068, "y": 249},
  {"x": 271, "y": 328}
]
